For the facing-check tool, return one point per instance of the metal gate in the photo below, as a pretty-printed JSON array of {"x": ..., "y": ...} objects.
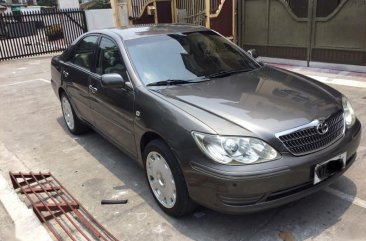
[
  {"x": 39, "y": 32},
  {"x": 192, "y": 12},
  {"x": 216, "y": 14},
  {"x": 150, "y": 11},
  {"x": 313, "y": 30}
]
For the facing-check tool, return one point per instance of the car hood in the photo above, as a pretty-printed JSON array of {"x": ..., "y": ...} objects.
[{"x": 267, "y": 100}]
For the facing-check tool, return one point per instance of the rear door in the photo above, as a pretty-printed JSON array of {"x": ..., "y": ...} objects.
[
  {"x": 113, "y": 109},
  {"x": 76, "y": 72}
]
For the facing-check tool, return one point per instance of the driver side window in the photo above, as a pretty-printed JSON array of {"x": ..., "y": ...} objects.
[{"x": 110, "y": 60}]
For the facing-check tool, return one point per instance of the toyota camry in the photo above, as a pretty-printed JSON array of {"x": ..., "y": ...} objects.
[{"x": 209, "y": 124}]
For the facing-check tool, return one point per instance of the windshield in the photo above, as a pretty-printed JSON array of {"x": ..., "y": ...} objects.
[{"x": 185, "y": 56}]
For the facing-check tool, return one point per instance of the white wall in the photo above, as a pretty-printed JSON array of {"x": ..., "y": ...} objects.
[
  {"x": 68, "y": 4},
  {"x": 123, "y": 12},
  {"x": 99, "y": 19}
]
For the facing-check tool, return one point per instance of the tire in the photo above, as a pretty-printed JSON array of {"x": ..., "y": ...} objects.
[
  {"x": 73, "y": 123},
  {"x": 162, "y": 154}
]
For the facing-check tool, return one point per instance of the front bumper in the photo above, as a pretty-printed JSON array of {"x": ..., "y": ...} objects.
[{"x": 262, "y": 186}]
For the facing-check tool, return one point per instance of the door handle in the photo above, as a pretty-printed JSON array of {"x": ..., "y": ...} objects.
[
  {"x": 93, "y": 89},
  {"x": 65, "y": 73}
]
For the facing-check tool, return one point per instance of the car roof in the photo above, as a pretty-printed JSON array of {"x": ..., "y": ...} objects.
[{"x": 134, "y": 32}]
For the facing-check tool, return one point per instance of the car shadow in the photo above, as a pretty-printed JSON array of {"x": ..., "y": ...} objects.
[{"x": 300, "y": 220}]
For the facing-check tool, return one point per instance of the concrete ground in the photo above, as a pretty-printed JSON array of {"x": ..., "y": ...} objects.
[
  {"x": 33, "y": 136},
  {"x": 7, "y": 227}
]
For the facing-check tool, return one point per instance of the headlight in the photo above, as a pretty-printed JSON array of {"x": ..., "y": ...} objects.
[
  {"x": 349, "y": 113},
  {"x": 231, "y": 150}
]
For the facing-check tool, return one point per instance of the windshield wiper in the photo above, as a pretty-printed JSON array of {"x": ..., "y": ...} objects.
[
  {"x": 174, "y": 82},
  {"x": 169, "y": 82},
  {"x": 225, "y": 73}
]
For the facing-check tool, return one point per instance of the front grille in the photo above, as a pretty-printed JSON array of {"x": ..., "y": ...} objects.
[{"x": 307, "y": 139}]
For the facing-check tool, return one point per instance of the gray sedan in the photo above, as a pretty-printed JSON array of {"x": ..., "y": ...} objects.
[{"x": 209, "y": 123}]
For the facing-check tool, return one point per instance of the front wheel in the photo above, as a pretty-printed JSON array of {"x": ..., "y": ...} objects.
[{"x": 166, "y": 180}]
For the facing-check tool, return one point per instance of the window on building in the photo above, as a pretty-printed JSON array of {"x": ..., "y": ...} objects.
[
  {"x": 325, "y": 7},
  {"x": 299, "y": 7}
]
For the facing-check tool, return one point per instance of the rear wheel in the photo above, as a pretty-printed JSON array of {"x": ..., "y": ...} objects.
[
  {"x": 166, "y": 180},
  {"x": 73, "y": 123}
]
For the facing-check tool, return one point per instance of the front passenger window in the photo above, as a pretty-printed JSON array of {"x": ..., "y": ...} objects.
[
  {"x": 110, "y": 60},
  {"x": 84, "y": 53}
]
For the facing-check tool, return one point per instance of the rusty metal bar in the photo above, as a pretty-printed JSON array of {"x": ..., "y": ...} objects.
[
  {"x": 89, "y": 227},
  {"x": 23, "y": 183},
  {"x": 48, "y": 209},
  {"x": 21, "y": 175},
  {"x": 59, "y": 207},
  {"x": 37, "y": 212},
  {"x": 38, "y": 189},
  {"x": 56, "y": 207},
  {"x": 48, "y": 185},
  {"x": 89, "y": 216}
]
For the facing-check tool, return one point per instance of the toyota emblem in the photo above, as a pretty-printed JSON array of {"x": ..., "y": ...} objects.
[{"x": 322, "y": 128}]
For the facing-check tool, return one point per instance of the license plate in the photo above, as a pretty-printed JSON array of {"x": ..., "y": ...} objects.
[{"x": 328, "y": 168}]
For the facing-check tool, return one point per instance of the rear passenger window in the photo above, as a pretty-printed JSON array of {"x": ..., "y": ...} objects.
[
  {"x": 84, "y": 53},
  {"x": 110, "y": 60}
]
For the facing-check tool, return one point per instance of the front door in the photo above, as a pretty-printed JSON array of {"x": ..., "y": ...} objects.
[
  {"x": 112, "y": 109},
  {"x": 75, "y": 74}
]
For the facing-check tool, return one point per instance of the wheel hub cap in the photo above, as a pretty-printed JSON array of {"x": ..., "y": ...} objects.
[
  {"x": 67, "y": 111},
  {"x": 161, "y": 179}
]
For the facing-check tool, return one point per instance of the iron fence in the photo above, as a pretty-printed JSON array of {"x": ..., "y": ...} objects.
[{"x": 39, "y": 32}]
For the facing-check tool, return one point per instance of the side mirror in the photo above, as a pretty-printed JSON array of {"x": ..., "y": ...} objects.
[
  {"x": 253, "y": 53},
  {"x": 113, "y": 81}
]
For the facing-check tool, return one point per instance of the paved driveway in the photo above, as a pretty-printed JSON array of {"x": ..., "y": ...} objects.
[{"x": 33, "y": 136}]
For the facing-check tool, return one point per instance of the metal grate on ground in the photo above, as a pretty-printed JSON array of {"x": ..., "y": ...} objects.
[{"x": 62, "y": 214}]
